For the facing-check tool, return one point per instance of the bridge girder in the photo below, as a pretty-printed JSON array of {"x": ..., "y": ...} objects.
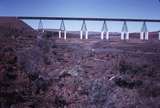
[{"x": 87, "y": 19}]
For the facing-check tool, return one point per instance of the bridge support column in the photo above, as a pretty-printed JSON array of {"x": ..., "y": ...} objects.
[
  {"x": 102, "y": 35},
  {"x": 84, "y": 30},
  {"x": 127, "y": 35},
  {"x": 81, "y": 34},
  {"x": 62, "y": 30},
  {"x": 144, "y": 32},
  {"x": 141, "y": 35},
  {"x": 122, "y": 35},
  {"x": 146, "y": 35},
  {"x": 86, "y": 34},
  {"x": 124, "y": 31},
  {"x": 65, "y": 34},
  {"x": 107, "y": 35},
  {"x": 104, "y": 31},
  {"x": 59, "y": 34}
]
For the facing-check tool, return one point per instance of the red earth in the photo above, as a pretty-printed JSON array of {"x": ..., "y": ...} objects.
[{"x": 73, "y": 73}]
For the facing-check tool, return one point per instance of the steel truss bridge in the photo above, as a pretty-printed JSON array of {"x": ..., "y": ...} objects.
[{"x": 144, "y": 34}]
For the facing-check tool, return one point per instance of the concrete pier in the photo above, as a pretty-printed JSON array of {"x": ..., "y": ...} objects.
[
  {"x": 107, "y": 35},
  {"x": 141, "y": 35},
  {"x": 86, "y": 34},
  {"x": 122, "y": 35},
  {"x": 59, "y": 34},
  {"x": 104, "y": 31},
  {"x": 102, "y": 35},
  {"x": 81, "y": 34},
  {"x": 124, "y": 32},
  {"x": 65, "y": 35},
  {"x": 146, "y": 36},
  {"x": 84, "y": 30},
  {"x": 127, "y": 35},
  {"x": 144, "y": 32}
]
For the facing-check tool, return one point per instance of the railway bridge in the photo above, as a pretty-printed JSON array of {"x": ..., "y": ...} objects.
[{"x": 125, "y": 34}]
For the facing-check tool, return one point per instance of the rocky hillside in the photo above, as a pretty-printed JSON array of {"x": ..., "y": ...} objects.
[
  {"x": 16, "y": 33},
  {"x": 13, "y": 22}
]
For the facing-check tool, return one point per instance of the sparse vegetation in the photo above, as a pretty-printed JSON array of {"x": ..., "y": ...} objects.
[{"x": 74, "y": 74}]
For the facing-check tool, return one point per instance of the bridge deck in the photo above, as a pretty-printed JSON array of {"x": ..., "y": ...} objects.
[{"x": 87, "y": 19}]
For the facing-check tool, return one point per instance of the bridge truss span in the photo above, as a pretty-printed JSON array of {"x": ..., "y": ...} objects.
[{"x": 125, "y": 35}]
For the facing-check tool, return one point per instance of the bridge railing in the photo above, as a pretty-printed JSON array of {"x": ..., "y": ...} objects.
[{"x": 144, "y": 34}]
